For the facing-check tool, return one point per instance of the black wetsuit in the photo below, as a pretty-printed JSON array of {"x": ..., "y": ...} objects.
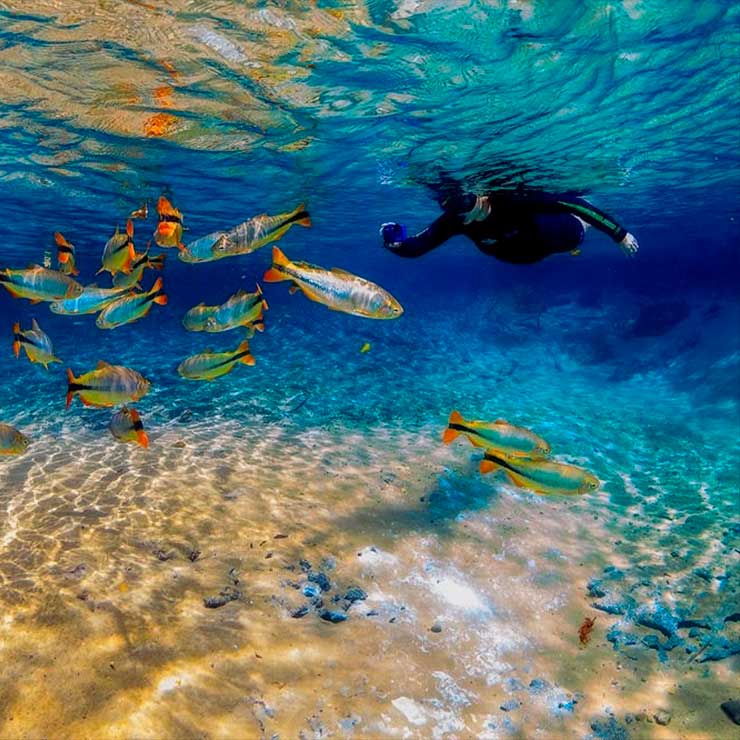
[{"x": 522, "y": 228}]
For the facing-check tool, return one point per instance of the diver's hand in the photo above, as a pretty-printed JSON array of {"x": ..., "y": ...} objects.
[
  {"x": 629, "y": 245},
  {"x": 392, "y": 233}
]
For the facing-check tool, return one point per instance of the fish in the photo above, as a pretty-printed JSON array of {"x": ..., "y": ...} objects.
[
  {"x": 169, "y": 228},
  {"x": 91, "y": 300},
  {"x": 242, "y": 309},
  {"x": 365, "y": 348},
  {"x": 210, "y": 365},
  {"x": 142, "y": 212},
  {"x": 131, "y": 307},
  {"x": 12, "y": 442},
  {"x": 126, "y": 426},
  {"x": 118, "y": 253},
  {"x": 541, "y": 476},
  {"x": 35, "y": 342},
  {"x": 512, "y": 440},
  {"x": 584, "y": 631},
  {"x": 195, "y": 319},
  {"x": 140, "y": 263},
  {"x": 337, "y": 289},
  {"x": 38, "y": 283},
  {"x": 65, "y": 255},
  {"x": 107, "y": 385},
  {"x": 244, "y": 238}
]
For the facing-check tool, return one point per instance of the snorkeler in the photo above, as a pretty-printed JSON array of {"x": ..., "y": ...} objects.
[{"x": 520, "y": 227}]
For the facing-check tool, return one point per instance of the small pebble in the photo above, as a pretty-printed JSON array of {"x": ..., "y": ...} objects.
[
  {"x": 507, "y": 706},
  {"x": 300, "y": 612},
  {"x": 332, "y": 616},
  {"x": 436, "y": 627},
  {"x": 732, "y": 710},
  {"x": 662, "y": 717}
]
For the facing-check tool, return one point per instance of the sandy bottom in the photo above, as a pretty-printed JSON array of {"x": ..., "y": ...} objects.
[{"x": 474, "y": 591}]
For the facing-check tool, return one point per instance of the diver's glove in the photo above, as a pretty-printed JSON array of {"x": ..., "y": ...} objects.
[
  {"x": 629, "y": 245},
  {"x": 392, "y": 233}
]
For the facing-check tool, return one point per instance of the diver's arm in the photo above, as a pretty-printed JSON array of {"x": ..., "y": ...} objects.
[
  {"x": 590, "y": 215},
  {"x": 394, "y": 236}
]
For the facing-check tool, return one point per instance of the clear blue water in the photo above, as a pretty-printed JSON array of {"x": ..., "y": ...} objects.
[{"x": 629, "y": 367}]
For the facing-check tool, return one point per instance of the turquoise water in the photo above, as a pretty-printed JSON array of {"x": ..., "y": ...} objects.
[{"x": 326, "y": 454}]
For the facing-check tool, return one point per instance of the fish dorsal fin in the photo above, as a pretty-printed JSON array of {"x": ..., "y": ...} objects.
[
  {"x": 101, "y": 364},
  {"x": 35, "y": 325},
  {"x": 240, "y": 293},
  {"x": 33, "y": 266},
  {"x": 340, "y": 271},
  {"x": 500, "y": 421}
]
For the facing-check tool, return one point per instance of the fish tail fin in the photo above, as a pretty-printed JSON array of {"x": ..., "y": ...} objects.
[
  {"x": 130, "y": 227},
  {"x": 300, "y": 216},
  {"x": 247, "y": 359},
  {"x": 274, "y": 274},
  {"x": 161, "y": 299},
  {"x": 486, "y": 466},
  {"x": 70, "y": 382},
  {"x": 264, "y": 301},
  {"x": 16, "y": 339},
  {"x": 157, "y": 263},
  {"x": 141, "y": 436},
  {"x": 449, "y": 434},
  {"x": 74, "y": 272},
  {"x": 259, "y": 325}
]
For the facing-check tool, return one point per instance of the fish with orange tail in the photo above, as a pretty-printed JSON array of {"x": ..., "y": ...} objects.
[
  {"x": 131, "y": 307},
  {"x": 142, "y": 212},
  {"x": 65, "y": 255},
  {"x": 242, "y": 309},
  {"x": 35, "y": 342},
  {"x": 141, "y": 263},
  {"x": 512, "y": 440},
  {"x": 126, "y": 426},
  {"x": 38, "y": 283},
  {"x": 334, "y": 288},
  {"x": 118, "y": 253},
  {"x": 169, "y": 228},
  {"x": 107, "y": 386},
  {"x": 210, "y": 365},
  {"x": 544, "y": 477}
]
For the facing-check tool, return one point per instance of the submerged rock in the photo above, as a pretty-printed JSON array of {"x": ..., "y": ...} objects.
[
  {"x": 227, "y": 595},
  {"x": 333, "y": 616}
]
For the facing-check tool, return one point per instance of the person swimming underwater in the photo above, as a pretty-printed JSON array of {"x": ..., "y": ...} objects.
[{"x": 519, "y": 227}]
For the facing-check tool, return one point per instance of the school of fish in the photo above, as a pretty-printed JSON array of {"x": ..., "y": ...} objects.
[{"x": 520, "y": 453}]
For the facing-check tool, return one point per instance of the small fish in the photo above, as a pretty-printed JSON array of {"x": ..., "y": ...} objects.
[
  {"x": 38, "y": 283},
  {"x": 126, "y": 426},
  {"x": 142, "y": 212},
  {"x": 131, "y": 307},
  {"x": 141, "y": 263},
  {"x": 541, "y": 476},
  {"x": 242, "y": 309},
  {"x": 12, "y": 442},
  {"x": 91, "y": 300},
  {"x": 65, "y": 255},
  {"x": 584, "y": 631},
  {"x": 169, "y": 228},
  {"x": 118, "y": 253},
  {"x": 211, "y": 365},
  {"x": 365, "y": 348},
  {"x": 201, "y": 250},
  {"x": 195, "y": 319},
  {"x": 107, "y": 385},
  {"x": 509, "y": 439},
  {"x": 35, "y": 342},
  {"x": 335, "y": 288}
]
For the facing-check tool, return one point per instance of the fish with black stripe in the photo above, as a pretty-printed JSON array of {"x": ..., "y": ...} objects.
[
  {"x": 35, "y": 342},
  {"x": 131, "y": 307},
  {"x": 210, "y": 365}
]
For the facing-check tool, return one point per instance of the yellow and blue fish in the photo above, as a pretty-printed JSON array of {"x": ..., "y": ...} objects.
[
  {"x": 195, "y": 319},
  {"x": 210, "y": 365},
  {"x": 131, "y": 307},
  {"x": 38, "y": 283},
  {"x": 140, "y": 263},
  {"x": 118, "y": 253},
  {"x": 126, "y": 426},
  {"x": 35, "y": 342},
  {"x": 242, "y": 309},
  {"x": 544, "y": 477},
  {"x": 91, "y": 300},
  {"x": 510, "y": 439},
  {"x": 12, "y": 442},
  {"x": 107, "y": 385},
  {"x": 335, "y": 288}
]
